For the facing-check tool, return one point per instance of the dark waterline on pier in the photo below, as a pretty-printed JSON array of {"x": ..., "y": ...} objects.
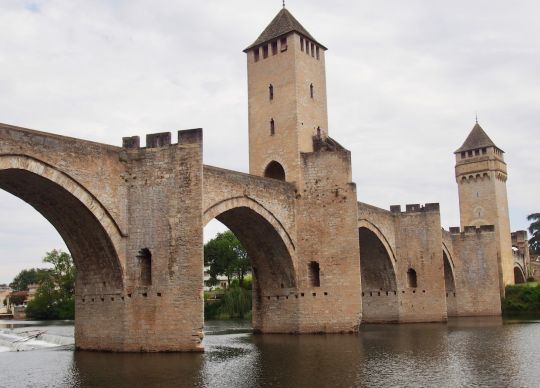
[{"x": 464, "y": 352}]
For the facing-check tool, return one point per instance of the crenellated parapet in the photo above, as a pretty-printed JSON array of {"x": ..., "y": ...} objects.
[
  {"x": 471, "y": 229},
  {"x": 416, "y": 208},
  {"x": 163, "y": 139}
]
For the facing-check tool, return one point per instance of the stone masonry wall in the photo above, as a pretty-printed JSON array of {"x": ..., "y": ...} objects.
[
  {"x": 419, "y": 247},
  {"x": 328, "y": 234},
  {"x": 476, "y": 271},
  {"x": 165, "y": 218}
]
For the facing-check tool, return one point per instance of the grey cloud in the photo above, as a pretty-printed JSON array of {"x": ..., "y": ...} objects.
[{"x": 404, "y": 81}]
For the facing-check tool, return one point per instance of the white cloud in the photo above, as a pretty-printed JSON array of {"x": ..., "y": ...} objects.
[{"x": 404, "y": 82}]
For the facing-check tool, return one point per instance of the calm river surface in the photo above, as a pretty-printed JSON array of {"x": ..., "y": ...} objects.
[{"x": 463, "y": 353}]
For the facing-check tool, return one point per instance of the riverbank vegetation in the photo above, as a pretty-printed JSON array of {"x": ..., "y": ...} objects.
[
  {"x": 232, "y": 303},
  {"x": 522, "y": 299},
  {"x": 55, "y": 295},
  {"x": 224, "y": 256}
]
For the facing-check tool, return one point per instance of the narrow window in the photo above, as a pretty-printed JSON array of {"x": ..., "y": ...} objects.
[
  {"x": 145, "y": 265},
  {"x": 283, "y": 44},
  {"x": 318, "y": 52},
  {"x": 319, "y": 132},
  {"x": 272, "y": 127},
  {"x": 256, "y": 54},
  {"x": 411, "y": 278},
  {"x": 265, "y": 51},
  {"x": 271, "y": 92},
  {"x": 274, "y": 47},
  {"x": 302, "y": 44},
  {"x": 311, "y": 90},
  {"x": 307, "y": 47},
  {"x": 314, "y": 274},
  {"x": 312, "y": 49}
]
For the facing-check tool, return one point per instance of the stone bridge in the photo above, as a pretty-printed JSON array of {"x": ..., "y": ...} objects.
[{"x": 133, "y": 218}]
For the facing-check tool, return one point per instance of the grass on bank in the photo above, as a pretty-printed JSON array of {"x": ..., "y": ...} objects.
[{"x": 522, "y": 299}]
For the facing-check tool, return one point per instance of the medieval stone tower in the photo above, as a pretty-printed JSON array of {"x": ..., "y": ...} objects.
[
  {"x": 481, "y": 176},
  {"x": 287, "y": 97}
]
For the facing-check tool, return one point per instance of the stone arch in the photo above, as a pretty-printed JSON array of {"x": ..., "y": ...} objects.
[
  {"x": 89, "y": 231},
  {"x": 449, "y": 282},
  {"x": 270, "y": 249},
  {"x": 378, "y": 275},
  {"x": 274, "y": 170},
  {"x": 519, "y": 274}
]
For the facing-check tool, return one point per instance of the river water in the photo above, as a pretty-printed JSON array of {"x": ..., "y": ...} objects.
[{"x": 472, "y": 352}]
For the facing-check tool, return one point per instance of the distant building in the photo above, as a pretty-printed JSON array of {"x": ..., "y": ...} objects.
[
  {"x": 5, "y": 290},
  {"x": 221, "y": 279}
]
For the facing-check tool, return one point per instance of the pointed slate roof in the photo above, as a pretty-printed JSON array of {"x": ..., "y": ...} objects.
[
  {"x": 282, "y": 24},
  {"x": 476, "y": 139}
]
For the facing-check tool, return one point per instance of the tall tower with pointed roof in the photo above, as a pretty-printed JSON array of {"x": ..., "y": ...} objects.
[
  {"x": 481, "y": 177},
  {"x": 287, "y": 97}
]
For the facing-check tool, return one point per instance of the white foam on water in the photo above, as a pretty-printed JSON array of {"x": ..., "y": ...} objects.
[{"x": 13, "y": 341}]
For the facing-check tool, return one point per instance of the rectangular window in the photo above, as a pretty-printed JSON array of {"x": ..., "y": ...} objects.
[
  {"x": 307, "y": 47},
  {"x": 318, "y": 57},
  {"x": 256, "y": 54},
  {"x": 145, "y": 265},
  {"x": 302, "y": 44},
  {"x": 274, "y": 47},
  {"x": 463, "y": 155},
  {"x": 484, "y": 151},
  {"x": 477, "y": 152},
  {"x": 312, "y": 50},
  {"x": 314, "y": 274},
  {"x": 265, "y": 51},
  {"x": 283, "y": 44}
]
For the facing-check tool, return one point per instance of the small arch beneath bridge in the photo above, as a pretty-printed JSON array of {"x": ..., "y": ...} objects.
[
  {"x": 519, "y": 274},
  {"x": 85, "y": 226},
  {"x": 449, "y": 283},
  {"x": 275, "y": 170},
  {"x": 271, "y": 252},
  {"x": 379, "y": 284}
]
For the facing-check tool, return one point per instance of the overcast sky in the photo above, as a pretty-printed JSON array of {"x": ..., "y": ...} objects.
[{"x": 404, "y": 82}]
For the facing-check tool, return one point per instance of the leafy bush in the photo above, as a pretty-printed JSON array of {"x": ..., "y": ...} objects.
[
  {"x": 54, "y": 297},
  {"x": 522, "y": 299},
  {"x": 235, "y": 303}
]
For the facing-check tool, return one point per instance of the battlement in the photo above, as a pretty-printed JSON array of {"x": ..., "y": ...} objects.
[
  {"x": 468, "y": 230},
  {"x": 519, "y": 236},
  {"x": 416, "y": 208},
  {"x": 163, "y": 139}
]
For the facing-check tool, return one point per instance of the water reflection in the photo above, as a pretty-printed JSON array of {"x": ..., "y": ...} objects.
[{"x": 464, "y": 352}]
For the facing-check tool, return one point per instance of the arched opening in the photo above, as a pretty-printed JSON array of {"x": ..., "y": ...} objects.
[
  {"x": 450, "y": 286},
  {"x": 99, "y": 271},
  {"x": 93, "y": 253},
  {"x": 272, "y": 269},
  {"x": 275, "y": 170},
  {"x": 519, "y": 276},
  {"x": 379, "y": 289}
]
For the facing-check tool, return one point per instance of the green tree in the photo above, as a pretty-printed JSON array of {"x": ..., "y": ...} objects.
[
  {"x": 55, "y": 297},
  {"x": 534, "y": 230},
  {"x": 25, "y": 278},
  {"x": 226, "y": 256}
]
